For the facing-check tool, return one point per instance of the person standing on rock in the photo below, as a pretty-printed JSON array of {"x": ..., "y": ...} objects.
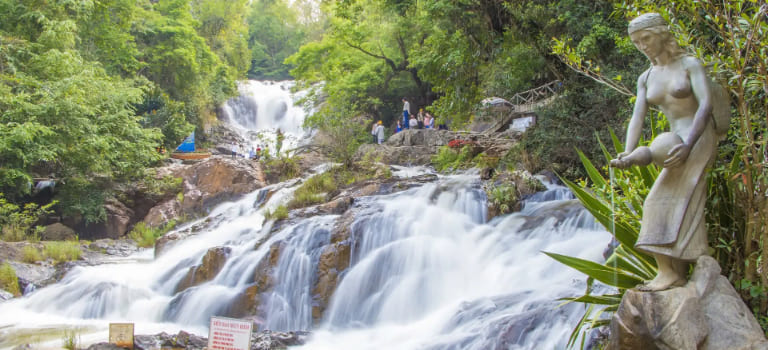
[
  {"x": 406, "y": 112},
  {"x": 234, "y": 150},
  {"x": 379, "y": 131}
]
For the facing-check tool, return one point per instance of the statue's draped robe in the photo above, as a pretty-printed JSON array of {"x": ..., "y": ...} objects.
[{"x": 673, "y": 212}]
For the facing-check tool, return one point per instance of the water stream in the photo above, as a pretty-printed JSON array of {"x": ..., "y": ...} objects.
[{"x": 426, "y": 271}]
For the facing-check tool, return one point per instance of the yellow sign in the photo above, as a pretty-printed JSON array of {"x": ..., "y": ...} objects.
[{"x": 121, "y": 334}]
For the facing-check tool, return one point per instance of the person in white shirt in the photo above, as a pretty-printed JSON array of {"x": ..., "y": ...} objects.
[{"x": 406, "y": 112}]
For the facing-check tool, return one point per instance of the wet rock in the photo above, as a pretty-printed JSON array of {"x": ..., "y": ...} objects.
[
  {"x": 337, "y": 206},
  {"x": 5, "y": 295},
  {"x": 114, "y": 247},
  {"x": 168, "y": 240},
  {"x": 146, "y": 342},
  {"x": 218, "y": 179},
  {"x": 105, "y": 346},
  {"x": 162, "y": 213},
  {"x": 190, "y": 341},
  {"x": 268, "y": 340},
  {"x": 334, "y": 259},
  {"x": 119, "y": 219},
  {"x": 33, "y": 276},
  {"x": 705, "y": 314},
  {"x": 400, "y": 155},
  {"x": 213, "y": 262},
  {"x": 248, "y": 302},
  {"x": 57, "y": 232}
]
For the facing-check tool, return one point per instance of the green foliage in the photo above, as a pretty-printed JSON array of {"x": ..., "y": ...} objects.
[
  {"x": 145, "y": 236},
  {"x": 8, "y": 280},
  {"x": 449, "y": 159},
  {"x": 275, "y": 32},
  {"x": 89, "y": 89},
  {"x": 730, "y": 37},
  {"x": 335, "y": 127},
  {"x": 158, "y": 110},
  {"x": 282, "y": 168},
  {"x": 617, "y": 205},
  {"x": 280, "y": 213},
  {"x": 571, "y": 122},
  {"x": 503, "y": 197},
  {"x": 16, "y": 223},
  {"x": 62, "y": 251},
  {"x": 71, "y": 339},
  {"x": 162, "y": 186},
  {"x": 314, "y": 190},
  {"x": 30, "y": 254}
]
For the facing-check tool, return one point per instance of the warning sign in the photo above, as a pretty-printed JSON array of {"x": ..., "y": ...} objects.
[
  {"x": 121, "y": 334},
  {"x": 229, "y": 334}
]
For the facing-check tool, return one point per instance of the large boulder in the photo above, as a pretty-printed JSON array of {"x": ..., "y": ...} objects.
[
  {"x": 705, "y": 314},
  {"x": 57, "y": 232},
  {"x": 119, "y": 219},
  {"x": 214, "y": 181},
  {"x": 162, "y": 213}
]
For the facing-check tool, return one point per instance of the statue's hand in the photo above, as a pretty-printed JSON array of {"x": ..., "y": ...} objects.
[
  {"x": 620, "y": 162},
  {"x": 677, "y": 155}
]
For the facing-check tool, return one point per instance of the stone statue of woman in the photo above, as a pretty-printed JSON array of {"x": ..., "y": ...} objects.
[{"x": 673, "y": 228}]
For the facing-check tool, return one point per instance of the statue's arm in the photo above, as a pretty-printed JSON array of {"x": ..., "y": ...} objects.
[
  {"x": 703, "y": 95},
  {"x": 700, "y": 86},
  {"x": 635, "y": 127}
]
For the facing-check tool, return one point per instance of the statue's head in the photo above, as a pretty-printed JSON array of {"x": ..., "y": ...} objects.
[
  {"x": 651, "y": 35},
  {"x": 646, "y": 21}
]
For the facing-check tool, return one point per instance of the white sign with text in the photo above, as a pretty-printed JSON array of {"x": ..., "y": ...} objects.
[{"x": 229, "y": 334}]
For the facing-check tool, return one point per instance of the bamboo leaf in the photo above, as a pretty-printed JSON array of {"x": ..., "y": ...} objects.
[
  {"x": 593, "y": 173},
  {"x": 607, "y": 275}
]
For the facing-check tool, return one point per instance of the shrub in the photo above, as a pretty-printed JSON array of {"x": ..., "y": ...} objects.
[
  {"x": 282, "y": 168},
  {"x": 313, "y": 190},
  {"x": 71, "y": 339},
  {"x": 30, "y": 254},
  {"x": 61, "y": 251},
  {"x": 503, "y": 198},
  {"x": 145, "y": 236},
  {"x": 449, "y": 158},
  {"x": 16, "y": 223},
  {"x": 8, "y": 280},
  {"x": 280, "y": 213}
]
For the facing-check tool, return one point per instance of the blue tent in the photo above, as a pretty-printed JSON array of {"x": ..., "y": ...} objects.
[{"x": 188, "y": 145}]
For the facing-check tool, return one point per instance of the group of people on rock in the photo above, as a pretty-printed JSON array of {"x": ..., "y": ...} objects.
[
  {"x": 421, "y": 120},
  {"x": 253, "y": 153}
]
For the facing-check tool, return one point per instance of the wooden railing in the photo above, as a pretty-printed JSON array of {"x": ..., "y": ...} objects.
[{"x": 526, "y": 99}]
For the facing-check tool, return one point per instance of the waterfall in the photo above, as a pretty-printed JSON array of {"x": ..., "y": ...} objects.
[
  {"x": 262, "y": 108},
  {"x": 426, "y": 269}
]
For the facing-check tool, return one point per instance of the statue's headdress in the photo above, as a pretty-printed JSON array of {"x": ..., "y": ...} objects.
[{"x": 645, "y": 21}]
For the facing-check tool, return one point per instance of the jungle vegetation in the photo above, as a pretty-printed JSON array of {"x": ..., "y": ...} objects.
[{"x": 88, "y": 88}]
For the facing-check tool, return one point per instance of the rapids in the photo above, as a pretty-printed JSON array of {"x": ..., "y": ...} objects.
[{"x": 426, "y": 271}]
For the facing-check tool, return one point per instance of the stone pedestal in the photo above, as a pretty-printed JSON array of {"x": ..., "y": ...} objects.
[{"x": 705, "y": 314}]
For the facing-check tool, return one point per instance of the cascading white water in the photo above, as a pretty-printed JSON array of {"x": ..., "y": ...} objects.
[
  {"x": 430, "y": 274},
  {"x": 426, "y": 272},
  {"x": 262, "y": 108}
]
